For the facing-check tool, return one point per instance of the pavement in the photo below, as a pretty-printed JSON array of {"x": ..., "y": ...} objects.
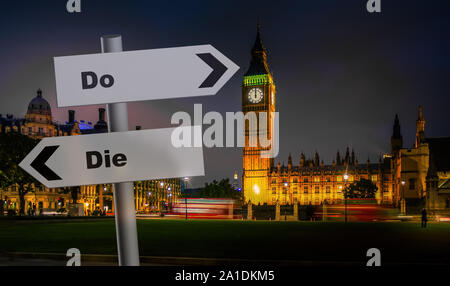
[{"x": 55, "y": 259}]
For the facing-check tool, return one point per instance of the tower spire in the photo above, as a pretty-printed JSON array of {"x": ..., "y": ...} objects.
[
  {"x": 258, "y": 63},
  {"x": 420, "y": 128},
  {"x": 396, "y": 138},
  {"x": 396, "y": 129},
  {"x": 258, "y": 45},
  {"x": 338, "y": 158}
]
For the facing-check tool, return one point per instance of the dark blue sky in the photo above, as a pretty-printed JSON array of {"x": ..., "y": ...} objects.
[{"x": 341, "y": 73}]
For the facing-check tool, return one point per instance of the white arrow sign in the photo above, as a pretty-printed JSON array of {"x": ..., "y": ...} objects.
[
  {"x": 141, "y": 75},
  {"x": 113, "y": 158}
]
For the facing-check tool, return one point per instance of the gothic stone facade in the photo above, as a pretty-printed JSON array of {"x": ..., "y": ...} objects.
[
  {"x": 309, "y": 182},
  {"x": 38, "y": 123}
]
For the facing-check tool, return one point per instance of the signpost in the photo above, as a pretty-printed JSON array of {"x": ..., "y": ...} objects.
[
  {"x": 113, "y": 158},
  {"x": 141, "y": 75},
  {"x": 121, "y": 157},
  {"x": 125, "y": 211}
]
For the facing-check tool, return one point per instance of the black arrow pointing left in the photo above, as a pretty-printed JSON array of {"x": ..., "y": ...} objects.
[{"x": 39, "y": 163}]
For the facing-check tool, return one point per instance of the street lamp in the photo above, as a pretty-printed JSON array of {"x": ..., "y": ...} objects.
[
  {"x": 403, "y": 202},
  {"x": 161, "y": 194},
  {"x": 286, "y": 184},
  {"x": 169, "y": 189},
  {"x": 186, "y": 180},
  {"x": 345, "y": 195}
]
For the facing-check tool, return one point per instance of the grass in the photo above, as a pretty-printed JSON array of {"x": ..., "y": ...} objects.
[{"x": 315, "y": 241}]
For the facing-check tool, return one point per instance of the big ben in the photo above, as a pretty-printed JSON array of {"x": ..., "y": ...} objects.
[{"x": 258, "y": 96}]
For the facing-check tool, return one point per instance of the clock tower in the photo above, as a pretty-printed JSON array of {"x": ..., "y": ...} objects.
[{"x": 258, "y": 96}]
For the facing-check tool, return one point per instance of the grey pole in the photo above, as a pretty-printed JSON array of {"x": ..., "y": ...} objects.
[{"x": 125, "y": 212}]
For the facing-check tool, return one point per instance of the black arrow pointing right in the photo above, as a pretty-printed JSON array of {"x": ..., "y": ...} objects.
[
  {"x": 218, "y": 70},
  {"x": 39, "y": 163}
]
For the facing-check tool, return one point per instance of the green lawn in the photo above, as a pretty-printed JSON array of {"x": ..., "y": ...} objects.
[{"x": 398, "y": 242}]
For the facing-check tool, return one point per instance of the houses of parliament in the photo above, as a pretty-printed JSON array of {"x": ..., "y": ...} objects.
[
  {"x": 420, "y": 172},
  {"x": 417, "y": 173},
  {"x": 154, "y": 195}
]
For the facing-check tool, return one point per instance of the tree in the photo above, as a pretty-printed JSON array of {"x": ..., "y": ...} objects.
[
  {"x": 222, "y": 189},
  {"x": 13, "y": 148},
  {"x": 74, "y": 192},
  {"x": 362, "y": 189}
]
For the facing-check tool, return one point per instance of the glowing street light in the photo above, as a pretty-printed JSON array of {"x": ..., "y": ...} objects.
[
  {"x": 256, "y": 189},
  {"x": 186, "y": 180},
  {"x": 403, "y": 202},
  {"x": 345, "y": 195}
]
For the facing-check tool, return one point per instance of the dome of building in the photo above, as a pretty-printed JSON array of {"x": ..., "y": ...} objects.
[{"x": 39, "y": 105}]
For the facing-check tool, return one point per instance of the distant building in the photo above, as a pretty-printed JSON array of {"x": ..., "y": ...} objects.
[
  {"x": 421, "y": 172},
  {"x": 38, "y": 123},
  {"x": 309, "y": 182}
]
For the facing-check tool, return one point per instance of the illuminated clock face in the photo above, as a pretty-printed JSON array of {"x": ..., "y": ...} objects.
[{"x": 255, "y": 95}]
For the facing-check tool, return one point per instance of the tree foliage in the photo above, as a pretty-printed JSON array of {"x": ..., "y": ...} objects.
[
  {"x": 13, "y": 148},
  {"x": 222, "y": 189},
  {"x": 362, "y": 189}
]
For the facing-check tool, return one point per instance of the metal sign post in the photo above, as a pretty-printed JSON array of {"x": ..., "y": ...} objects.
[
  {"x": 124, "y": 208},
  {"x": 115, "y": 77}
]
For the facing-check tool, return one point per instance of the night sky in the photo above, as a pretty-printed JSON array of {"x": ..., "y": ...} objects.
[{"x": 341, "y": 73}]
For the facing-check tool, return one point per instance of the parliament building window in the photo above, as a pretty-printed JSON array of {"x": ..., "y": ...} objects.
[
  {"x": 305, "y": 190},
  {"x": 316, "y": 189},
  {"x": 412, "y": 184}
]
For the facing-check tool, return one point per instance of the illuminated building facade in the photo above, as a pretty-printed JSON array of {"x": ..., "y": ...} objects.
[
  {"x": 309, "y": 182},
  {"x": 150, "y": 196},
  {"x": 423, "y": 171}
]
